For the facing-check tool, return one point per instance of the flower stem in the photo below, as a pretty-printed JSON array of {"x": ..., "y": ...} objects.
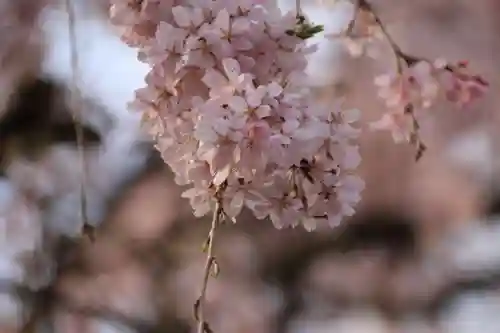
[{"x": 203, "y": 326}]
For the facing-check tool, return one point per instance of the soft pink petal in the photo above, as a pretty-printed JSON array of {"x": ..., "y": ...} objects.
[{"x": 181, "y": 16}]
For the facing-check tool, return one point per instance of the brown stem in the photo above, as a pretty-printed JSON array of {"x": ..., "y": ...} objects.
[
  {"x": 210, "y": 262},
  {"x": 398, "y": 53}
]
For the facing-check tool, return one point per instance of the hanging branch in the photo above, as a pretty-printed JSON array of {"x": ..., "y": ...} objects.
[
  {"x": 75, "y": 98},
  {"x": 210, "y": 266}
]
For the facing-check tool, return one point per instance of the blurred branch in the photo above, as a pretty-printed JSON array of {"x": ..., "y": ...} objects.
[{"x": 76, "y": 107}]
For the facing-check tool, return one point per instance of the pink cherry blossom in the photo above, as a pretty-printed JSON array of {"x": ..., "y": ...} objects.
[
  {"x": 416, "y": 88},
  {"x": 462, "y": 86},
  {"x": 227, "y": 103}
]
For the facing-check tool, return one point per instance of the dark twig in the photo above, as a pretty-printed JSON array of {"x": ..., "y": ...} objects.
[
  {"x": 210, "y": 266},
  {"x": 87, "y": 228}
]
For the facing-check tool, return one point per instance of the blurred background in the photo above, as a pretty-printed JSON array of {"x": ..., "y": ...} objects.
[{"x": 422, "y": 254}]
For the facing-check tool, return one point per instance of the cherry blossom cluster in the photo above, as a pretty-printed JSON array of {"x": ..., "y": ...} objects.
[
  {"x": 417, "y": 82},
  {"x": 227, "y": 103},
  {"x": 417, "y": 87}
]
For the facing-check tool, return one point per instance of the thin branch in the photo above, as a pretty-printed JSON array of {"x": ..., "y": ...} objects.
[
  {"x": 203, "y": 326},
  {"x": 400, "y": 56},
  {"x": 76, "y": 107},
  {"x": 398, "y": 53},
  {"x": 298, "y": 10}
]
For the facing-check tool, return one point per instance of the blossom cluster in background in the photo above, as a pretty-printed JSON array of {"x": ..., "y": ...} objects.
[
  {"x": 417, "y": 87},
  {"x": 416, "y": 84},
  {"x": 227, "y": 102}
]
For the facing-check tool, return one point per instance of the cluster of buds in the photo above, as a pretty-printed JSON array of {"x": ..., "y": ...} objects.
[{"x": 227, "y": 103}]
